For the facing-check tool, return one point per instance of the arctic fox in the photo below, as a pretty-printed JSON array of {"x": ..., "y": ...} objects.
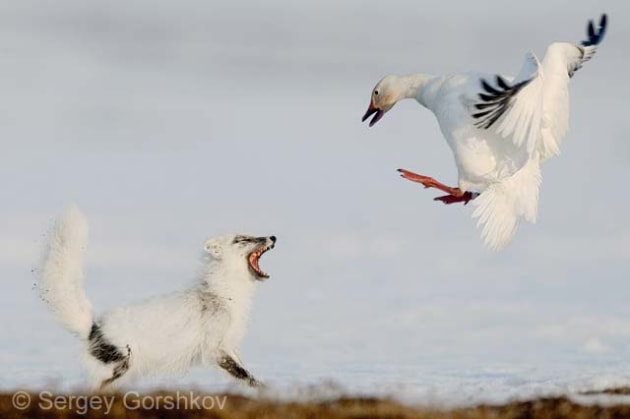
[{"x": 203, "y": 324}]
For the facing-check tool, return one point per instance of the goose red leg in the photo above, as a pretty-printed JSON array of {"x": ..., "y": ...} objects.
[
  {"x": 454, "y": 194},
  {"x": 429, "y": 182}
]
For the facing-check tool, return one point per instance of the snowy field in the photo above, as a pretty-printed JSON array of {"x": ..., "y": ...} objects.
[{"x": 172, "y": 122}]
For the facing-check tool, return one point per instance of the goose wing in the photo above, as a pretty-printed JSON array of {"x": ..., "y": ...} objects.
[{"x": 533, "y": 110}]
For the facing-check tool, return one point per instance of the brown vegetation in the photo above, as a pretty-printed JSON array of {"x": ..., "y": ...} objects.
[{"x": 240, "y": 407}]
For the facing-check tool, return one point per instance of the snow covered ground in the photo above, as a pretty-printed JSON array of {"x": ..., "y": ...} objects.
[{"x": 172, "y": 122}]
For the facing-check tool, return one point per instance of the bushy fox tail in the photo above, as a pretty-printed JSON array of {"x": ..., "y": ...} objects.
[{"x": 62, "y": 278}]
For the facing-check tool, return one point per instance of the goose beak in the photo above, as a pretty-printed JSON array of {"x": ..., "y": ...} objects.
[{"x": 378, "y": 114}]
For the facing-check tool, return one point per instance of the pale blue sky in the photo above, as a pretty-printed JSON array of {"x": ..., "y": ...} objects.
[{"x": 172, "y": 122}]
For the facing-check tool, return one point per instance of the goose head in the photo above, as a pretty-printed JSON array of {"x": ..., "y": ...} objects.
[{"x": 384, "y": 96}]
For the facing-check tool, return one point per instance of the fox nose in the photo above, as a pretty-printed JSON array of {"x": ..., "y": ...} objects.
[{"x": 273, "y": 238}]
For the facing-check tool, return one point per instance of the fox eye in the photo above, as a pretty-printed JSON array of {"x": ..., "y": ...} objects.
[{"x": 242, "y": 239}]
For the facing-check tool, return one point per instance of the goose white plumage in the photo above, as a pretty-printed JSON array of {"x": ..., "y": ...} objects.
[{"x": 500, "y": 129}]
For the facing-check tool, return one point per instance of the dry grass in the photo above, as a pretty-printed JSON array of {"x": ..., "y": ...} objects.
[{"x": 240, "y": 407}]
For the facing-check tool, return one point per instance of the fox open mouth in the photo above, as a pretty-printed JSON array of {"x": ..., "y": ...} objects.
[{"x": 254, "y": 258}]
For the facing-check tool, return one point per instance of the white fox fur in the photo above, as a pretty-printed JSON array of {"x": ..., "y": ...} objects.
[{"x": 204, "y": 324}]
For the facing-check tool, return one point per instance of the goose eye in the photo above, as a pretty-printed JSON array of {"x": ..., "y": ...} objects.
[{"x": 376, "y": 93}]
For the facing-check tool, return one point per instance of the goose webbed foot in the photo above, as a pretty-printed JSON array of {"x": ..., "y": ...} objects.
[{"x": 466, "y": 197}]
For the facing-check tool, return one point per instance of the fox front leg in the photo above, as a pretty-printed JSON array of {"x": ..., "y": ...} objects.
[{"x": 237, "y": 370}]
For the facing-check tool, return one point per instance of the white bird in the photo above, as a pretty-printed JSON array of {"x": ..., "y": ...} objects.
[{"x": 500, "y": 129}]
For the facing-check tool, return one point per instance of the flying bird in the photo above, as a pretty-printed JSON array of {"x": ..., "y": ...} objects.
[{"x": 500, "y": 129}]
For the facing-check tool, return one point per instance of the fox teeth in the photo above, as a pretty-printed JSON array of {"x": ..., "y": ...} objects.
[{"x": 253, "y": 261}]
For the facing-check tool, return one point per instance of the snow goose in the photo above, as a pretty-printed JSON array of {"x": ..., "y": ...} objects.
[{"x": 499, "y": 128}]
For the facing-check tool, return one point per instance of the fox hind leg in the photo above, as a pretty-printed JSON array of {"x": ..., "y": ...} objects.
[{"x": 119, "y": 370}]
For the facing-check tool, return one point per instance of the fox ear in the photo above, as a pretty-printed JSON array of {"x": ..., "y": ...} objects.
[{"x": 213, "y": 248}]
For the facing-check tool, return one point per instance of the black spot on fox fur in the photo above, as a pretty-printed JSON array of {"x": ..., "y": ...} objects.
[{"x": 101, "y": 349}]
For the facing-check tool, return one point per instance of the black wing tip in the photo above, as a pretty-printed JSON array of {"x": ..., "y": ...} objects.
[
  {"x": 501, "y": 83},
  {"x": 495, "y": 101},
  {"x": 489, "y": 89},
  {"x": 596, "y": 36}
]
